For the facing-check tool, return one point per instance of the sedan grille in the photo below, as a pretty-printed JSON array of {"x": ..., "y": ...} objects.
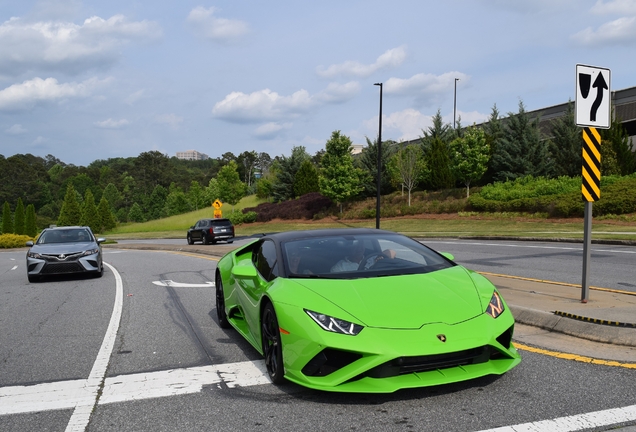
[
  {"x": 56, "y": 258},
  {"x": 65, "y": 267}
]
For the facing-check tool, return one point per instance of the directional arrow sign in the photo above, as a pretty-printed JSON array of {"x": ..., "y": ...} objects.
[
  {"x": 170, "y": 283},
  {"x": 593, "y": 97}
]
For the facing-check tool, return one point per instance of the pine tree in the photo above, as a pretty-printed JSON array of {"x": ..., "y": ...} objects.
[
  {"x": 306, "y": 179},
  {"x": 71, "y": 213},
  {"x": 106, "y": 218},
  {"x": 521, "y": 152},
  {"x": 494, "y": 133},
  {"x": 7, "y": 222},
  {"x": 438, "y": 161},
  {"x": 18, "y": 218},
  {"x": 368, "y": 162},
  {"x": 136, "y": 214},
  {"x": 157, "y": 202},
  {"x": 566, "y": 145},
  {"x": 30, "y": 227},
  {"x": 619, "y": 139},
  {"x": 90, "y": 217}
]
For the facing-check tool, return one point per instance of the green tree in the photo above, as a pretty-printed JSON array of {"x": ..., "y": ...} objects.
[
  {"x": 7, "y": 221},
  {"x": 494, "y": 133},
  {"x": 157, "y": 202},
  {"x": 264, "y": 188},
  {"x": 212, "y": 192},
  {"x": 437, "y": 131},
  {"x": 306, "y": 179},
  {"x": 30, "y": 227},
  {"x": 285, "y": 169},
  {"x": 566, "y": 145},
  {"x": 177, "y": 203},
  {"x": 106, "y": 219},
  {"x": 90, "y": 217},
  {"x": 196, "y": 195},
  {"x": 408, "y": 167},
  {"x": 368, "y": 162},
  {"x": 621, "y": 143},
  {"x": 136, "y": 214},
  {"x": 521, "y": 151},
  {"x": 151, "y": 168},
  {"x": 610, "y": 164},
  {"x": 231, "y": 188},
  {"x": 71, "y": 213},
  {"x": 469, "y": 156},
  {"x": 18, "y": 218},
  {"x": 113, "y": 196},
  {"x": 339, "y": 180},
  {"x": 438, "y": 162}
]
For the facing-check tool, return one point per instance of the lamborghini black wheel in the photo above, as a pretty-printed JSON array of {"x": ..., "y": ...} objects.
[
  {"x": 272, "y": 347},
  {"x": 220, "y": 304}
]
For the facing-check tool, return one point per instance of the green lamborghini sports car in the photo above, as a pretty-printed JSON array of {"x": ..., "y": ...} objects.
[{"x": 363, "y": 310}]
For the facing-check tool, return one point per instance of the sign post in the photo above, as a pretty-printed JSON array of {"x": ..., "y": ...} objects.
[{"x": 593, "y": 110}]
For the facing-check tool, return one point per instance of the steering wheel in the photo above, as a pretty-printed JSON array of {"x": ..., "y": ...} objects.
[{"x": 370, "y": 260}]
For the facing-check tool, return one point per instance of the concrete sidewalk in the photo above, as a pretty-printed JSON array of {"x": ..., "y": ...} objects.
[{"x": 609, "y": 316}]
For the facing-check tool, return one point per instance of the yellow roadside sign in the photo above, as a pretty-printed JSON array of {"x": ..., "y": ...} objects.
[
  {"x": 217, "y": 204},
  {"x": 218, "y": 214}
]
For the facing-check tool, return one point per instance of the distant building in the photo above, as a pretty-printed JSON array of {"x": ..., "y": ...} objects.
[
  {"x": 192, "y": 155},
  {"x": 356, "y": 149}
]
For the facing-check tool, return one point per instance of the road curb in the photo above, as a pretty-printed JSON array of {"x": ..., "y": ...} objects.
[{"x": 581, "y": 329}]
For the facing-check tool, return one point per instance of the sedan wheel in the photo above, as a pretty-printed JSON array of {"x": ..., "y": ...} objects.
[
  {"x": 190, "y": 240},
  {"x": 272, "y": 347},
  {"x": 220, "y": 304}
]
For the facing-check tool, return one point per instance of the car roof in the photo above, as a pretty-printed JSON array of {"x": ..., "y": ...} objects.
[
  {"x": 216, "y": 219},
  {"x": 328, "y": 232},
  {"x": 67, "y": 227}
]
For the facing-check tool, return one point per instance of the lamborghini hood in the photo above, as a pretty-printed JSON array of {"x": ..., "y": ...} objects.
[{"x": 404, "y": 302}]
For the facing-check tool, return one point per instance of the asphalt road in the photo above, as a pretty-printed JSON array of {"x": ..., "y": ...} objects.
[{"x": 52, "y": 333}]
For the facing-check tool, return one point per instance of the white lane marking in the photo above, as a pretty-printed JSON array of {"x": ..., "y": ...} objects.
[
  {"x": 14, "y": 267},
  {"x": 575, "y": 422},
  {"x": 171, "y": 283},
  {"x": 528, "y": 246},
  {"x": 84, "y": 406},
  {"x": 123, "y": 388}
]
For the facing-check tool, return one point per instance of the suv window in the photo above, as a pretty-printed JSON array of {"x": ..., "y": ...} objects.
[{"x": 221, "y": 222}]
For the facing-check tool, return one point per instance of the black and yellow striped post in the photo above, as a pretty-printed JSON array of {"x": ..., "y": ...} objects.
[
  {"x": 591, "y": 187},
  {"x": 591, "y": 190}
]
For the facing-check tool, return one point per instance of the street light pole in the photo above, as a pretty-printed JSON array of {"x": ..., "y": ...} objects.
[
  {"x": 455, "y": 103},
  {"x": 377, "y": 203}
]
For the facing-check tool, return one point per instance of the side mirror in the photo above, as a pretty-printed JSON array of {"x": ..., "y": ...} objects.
[
  {"x": 448, "y": 255},
  {"x": 29, "y": 243},
  {"x": 101, "y": 240},
  {"x": 244, "y": 271}
]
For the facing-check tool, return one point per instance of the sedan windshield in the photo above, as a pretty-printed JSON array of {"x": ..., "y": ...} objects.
[
  {"x": 359, "y": 256},
  {"x": 71, "y": 235}
]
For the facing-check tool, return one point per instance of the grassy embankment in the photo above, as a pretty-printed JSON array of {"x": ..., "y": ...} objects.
[{"x": 438, "y": 225}]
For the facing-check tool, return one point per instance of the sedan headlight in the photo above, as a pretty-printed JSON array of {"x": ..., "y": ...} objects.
[
  {"x": 90, "y": 252},
  {"x": 335, "y": 325},
  {"x": 34, "y": 255},
  {"x": 495, "y": 307}
]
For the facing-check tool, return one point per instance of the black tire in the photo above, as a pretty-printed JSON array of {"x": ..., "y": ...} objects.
[
  {"x": 206, "y": 239},
  {"x": 272, "y": 345},
  {"x": 33, "y": 278},
  {"x": 100, "y": 273},
  {"x": 220, "y": 304},
  {"x": 190, "y": 240}
]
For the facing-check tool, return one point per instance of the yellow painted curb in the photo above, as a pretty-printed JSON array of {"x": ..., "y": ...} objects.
[{"x": 574, "y": 357}]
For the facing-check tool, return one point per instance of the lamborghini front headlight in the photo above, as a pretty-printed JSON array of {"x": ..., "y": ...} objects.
[
  {"x": 495, "y": 307},
  {"x": 335, "y": 325}
]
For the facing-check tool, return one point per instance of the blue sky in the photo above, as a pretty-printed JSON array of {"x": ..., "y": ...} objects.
[{"x": 87, "y": 80}]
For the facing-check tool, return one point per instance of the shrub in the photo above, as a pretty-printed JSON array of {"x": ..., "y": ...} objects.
[
  {"x": 304, "y": 207},
  {"x": 8, "y": 241}
]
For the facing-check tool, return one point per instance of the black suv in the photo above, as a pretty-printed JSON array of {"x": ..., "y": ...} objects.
[{"x": 210, "y": 231}]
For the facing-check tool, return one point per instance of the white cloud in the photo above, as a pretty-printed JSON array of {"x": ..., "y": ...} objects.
[
  {"x": 33, "y": 92},
  {"x": 172, "y": 120},
  {"x": 205, "y": 24},
  {"x": 262, "y": 105},
  {"x": 338, "y": 93},
  {"x": 620, "y": 31},
  {"x": 134, "y": 97},
  {"x": 67, "y": 46},
  {"x": 16, "y": 129},
  {"x": 390, "y": 59},
  {"x": 621, "y": 7},
  {"x": 407, "y": 124},
  {"x": 112, "y": 124},
  {"x": 424, "y": 84},
  {"x": 271, "y": 130}
]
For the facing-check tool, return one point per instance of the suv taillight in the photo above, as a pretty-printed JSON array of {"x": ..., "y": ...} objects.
[{"x": 211, "y": 231}]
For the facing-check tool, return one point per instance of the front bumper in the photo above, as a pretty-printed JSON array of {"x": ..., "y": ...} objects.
[
  {"x": 50, "y": 265},
  {"x": 385, "y": 360}
]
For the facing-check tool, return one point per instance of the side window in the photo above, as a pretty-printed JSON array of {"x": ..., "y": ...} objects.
[
  {"x": 264, "y": 259},
  {"x": 199, "y": 224}
]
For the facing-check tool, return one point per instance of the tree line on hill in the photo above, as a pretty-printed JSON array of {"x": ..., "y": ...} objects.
[{"x": 153, "y": 185}]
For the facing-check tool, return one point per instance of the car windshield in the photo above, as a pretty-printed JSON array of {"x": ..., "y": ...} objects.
[
  {"x": 71, "y": 235},
  {"x": 359, "y": 256}
]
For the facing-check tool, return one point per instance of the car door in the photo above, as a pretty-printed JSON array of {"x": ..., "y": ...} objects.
[
  {"x": 195, "y": 234},
  {"x": 266, "y": 261}
]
